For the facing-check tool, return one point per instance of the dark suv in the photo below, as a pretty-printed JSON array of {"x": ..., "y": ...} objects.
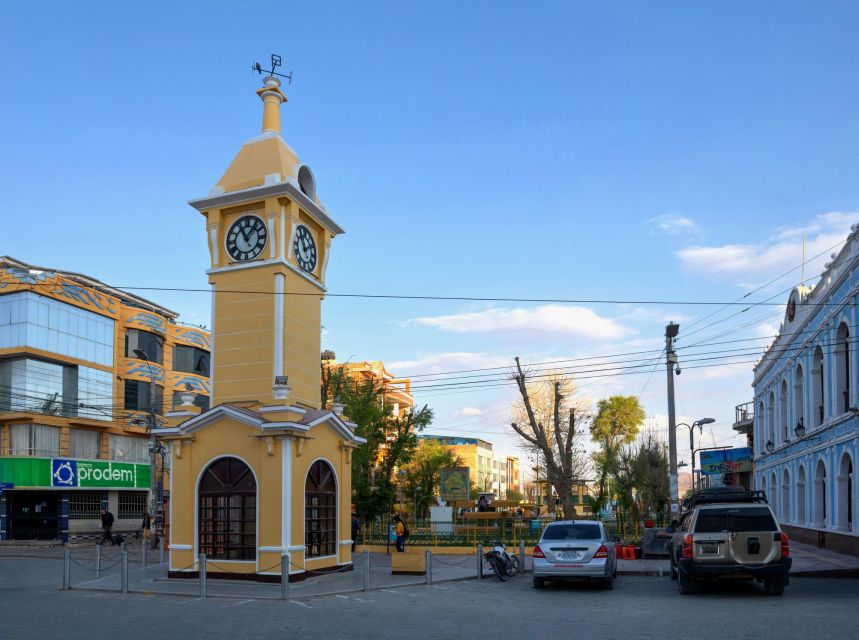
[{"x": 729, "y": 534}]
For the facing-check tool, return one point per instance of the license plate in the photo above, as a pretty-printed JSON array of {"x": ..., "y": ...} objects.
[
  {"x": 567, "y": 555},
  {"x": 709, "y": 549}
]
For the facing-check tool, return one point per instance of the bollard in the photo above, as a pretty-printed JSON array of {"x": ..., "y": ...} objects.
[
  {"x": 97, "y": 561},
  {"x": 143, "y": 546},
  {"x": 202, "y": 564},
  {"x": 161, "y": 549},
  {"x": 367, "y": 570},
  {"x": 123, "y": 570},
  {"x": 429, "y": 566},
  {"x": 522, "y": 556},
  {"x": 67, "y": 569},
  {"x": 479, "y": 561},
  {"x": 284, "y": 576}
]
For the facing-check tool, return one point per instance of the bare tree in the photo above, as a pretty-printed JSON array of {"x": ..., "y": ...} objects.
[{"x": 553, "y": 436}]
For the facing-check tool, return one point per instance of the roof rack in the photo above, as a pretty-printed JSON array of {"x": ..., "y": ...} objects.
[{"x": 724, "y": 494}]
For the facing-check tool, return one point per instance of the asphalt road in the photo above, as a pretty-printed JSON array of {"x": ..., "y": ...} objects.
[{"x": 32, "y": 606}]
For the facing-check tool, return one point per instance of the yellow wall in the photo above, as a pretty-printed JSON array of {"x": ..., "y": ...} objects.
[{"x": 229, "y": 437}]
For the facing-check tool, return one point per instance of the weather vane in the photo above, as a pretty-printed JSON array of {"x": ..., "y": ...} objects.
[{"x": 275, "y": 63}]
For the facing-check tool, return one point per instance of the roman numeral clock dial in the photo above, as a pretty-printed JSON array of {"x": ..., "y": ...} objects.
[
  {"x": 304, "y": 248},
  {"x": 246, "y": 238}
]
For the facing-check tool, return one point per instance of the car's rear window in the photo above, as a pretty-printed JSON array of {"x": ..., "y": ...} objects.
[
  {"x": 724, "y": 519},
  {"x": 572, "y": 532}
]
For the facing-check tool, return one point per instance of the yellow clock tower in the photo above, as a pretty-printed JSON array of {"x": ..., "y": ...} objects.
[{"x": 265, "y": 472}]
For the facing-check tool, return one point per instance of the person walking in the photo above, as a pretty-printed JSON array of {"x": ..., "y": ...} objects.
[
  {"x": 146, "y": 525},
  {"x": 400, "y": 530},
  {"x": 106, "y": 526}
]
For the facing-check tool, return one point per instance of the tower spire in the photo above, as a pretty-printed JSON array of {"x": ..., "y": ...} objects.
[{"x": 271, "y": 97}]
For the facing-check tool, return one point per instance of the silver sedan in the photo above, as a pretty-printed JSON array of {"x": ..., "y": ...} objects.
[{"x": 575, "y": 550}]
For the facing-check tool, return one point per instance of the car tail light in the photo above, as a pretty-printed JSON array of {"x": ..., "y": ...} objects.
[
  {"x": 602, "y": 552},
  {"x": 538, "y": 552},
  {"x": 687, "y": 546},
  {"x": 785, "y": 547}
]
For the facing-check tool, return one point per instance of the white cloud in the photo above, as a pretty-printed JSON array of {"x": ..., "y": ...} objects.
[
  {"x": 781, "y": 253},
  {"x": 552, "y": 319},
  {"x": 451, "y": 361},
  {"x": 672, "y": 225},
  {"x": 468, "y": 412}
]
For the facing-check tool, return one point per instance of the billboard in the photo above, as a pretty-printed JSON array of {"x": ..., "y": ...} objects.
[
  {"x": 70, "y": 473},
  {"x": 722, "y": 461},
  {"x": 455, "y": 484}
]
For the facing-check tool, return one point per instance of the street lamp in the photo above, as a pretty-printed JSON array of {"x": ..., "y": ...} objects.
[
  {"x": 799, "y": 430},
  {"x": 153, "y": 446},
  {"x": 770, "y": 446},
  {"x": 417, "y": 491},
  {"x": 697, "y": 423}
]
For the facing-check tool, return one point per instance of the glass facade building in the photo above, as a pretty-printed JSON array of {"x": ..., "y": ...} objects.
[{"x": 30, "y": 320}]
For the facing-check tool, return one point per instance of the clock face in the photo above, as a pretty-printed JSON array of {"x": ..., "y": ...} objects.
[
  {"x": 246, "y": 238},
  {"x": 304, "y": 248},
  {"x": 791, "y": 309}
]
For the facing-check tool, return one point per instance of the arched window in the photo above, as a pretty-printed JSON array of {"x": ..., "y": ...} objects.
[
  {"x": 775, "y": 495},
  {"x": 842, "y": 369},
  {"x": 783, "y": 417},
  {"x": 798, "y": 398},
  {"x": 785, "y": 497},
  {"x": 845, "y": 493},
  {"x": 771, "y": 419},
  {"x": 800, "y": 496},
  {"x": 820, "y": 494},
  {"x": 227, "y": 516},
  {"x": 320, "y": 511},
  {"x": 761, "y": 428},
  {"x": 817, "y": 387}
]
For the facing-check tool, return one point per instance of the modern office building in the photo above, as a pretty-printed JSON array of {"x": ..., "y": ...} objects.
[
  {"x": 77, "y": 396},
  {"x": 805, "y": 421}
]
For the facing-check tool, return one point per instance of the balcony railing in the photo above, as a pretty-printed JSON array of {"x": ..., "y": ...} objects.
[{"x": 744, "y": 412}]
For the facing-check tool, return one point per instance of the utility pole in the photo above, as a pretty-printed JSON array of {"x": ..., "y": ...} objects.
[
  {"x": 671, "y": 332},
  {"x": 151, "y": 423}
]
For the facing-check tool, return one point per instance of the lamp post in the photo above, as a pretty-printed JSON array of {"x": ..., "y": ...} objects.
[
  {"x": 671, "y": 331},
  {"x": 153, "y": 446},
  {"x": 691, "y": 427}
]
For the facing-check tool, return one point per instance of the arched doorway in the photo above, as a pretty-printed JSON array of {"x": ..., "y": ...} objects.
[
  {"x": 817, "y": 387},
  {"x": 320, "y": 511},
  {"x": 775, "y": 496},
  {"x": 227, "y": 511},
  {"x": 820, "y": 494},
  {"x": 845, "y": 493},
  {"x": 800, "y": 496},
  {"x": 785, "y": 497},
  {"x": 842, "y": 369},
  {"x": 798, "y": 398}
]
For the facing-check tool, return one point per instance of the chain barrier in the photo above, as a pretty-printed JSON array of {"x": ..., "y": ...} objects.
[{"x": 466, "y": 560}]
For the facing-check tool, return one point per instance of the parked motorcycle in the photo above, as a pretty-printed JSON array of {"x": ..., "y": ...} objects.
[{"x": 502, "y": 563}]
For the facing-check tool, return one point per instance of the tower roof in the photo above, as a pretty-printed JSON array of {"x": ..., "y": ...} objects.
[{"x": 267, "y": 158}]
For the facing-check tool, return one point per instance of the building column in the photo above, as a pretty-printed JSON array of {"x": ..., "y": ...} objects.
[
  {"x": 3, "y": 517},
  {"x": 64, "y": 516}
]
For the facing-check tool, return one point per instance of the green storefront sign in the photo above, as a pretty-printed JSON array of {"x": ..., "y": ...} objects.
[{"x": 67, "y": 473}]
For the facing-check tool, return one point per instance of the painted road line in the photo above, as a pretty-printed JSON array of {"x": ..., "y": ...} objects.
[{"x": 300, "y": 604}]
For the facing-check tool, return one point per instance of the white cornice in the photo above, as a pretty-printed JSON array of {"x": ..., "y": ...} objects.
[
  {"x": 253, "y": 264},
  {"x": 287, "y": 187}
]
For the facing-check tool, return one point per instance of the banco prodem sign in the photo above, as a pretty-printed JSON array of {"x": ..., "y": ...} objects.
[{"x": 92, "y": 473}]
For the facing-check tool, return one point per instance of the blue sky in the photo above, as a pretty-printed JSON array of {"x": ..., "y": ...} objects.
[{"x": 618, "y": 150}]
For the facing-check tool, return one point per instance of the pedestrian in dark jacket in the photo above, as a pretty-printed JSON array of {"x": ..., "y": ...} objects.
[{"x": 106, "y": 526}]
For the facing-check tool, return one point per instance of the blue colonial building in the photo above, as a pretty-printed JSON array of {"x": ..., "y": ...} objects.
[{"x": 806, "y": 409}]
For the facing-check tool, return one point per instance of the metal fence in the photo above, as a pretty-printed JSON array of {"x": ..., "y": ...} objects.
[{"x": 511, "y": 531}]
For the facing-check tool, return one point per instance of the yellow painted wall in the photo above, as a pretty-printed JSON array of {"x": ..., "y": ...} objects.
[{"x": 232, "y": 438}]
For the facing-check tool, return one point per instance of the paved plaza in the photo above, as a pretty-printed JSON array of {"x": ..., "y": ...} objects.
[{"x": 33, "y": 606}]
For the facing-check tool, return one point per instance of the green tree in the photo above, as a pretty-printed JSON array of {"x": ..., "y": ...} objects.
[
  {"x": 616, "y": 424},
  {"x": 391, "y": 440},
  {"x": 423, "y": 473}
]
